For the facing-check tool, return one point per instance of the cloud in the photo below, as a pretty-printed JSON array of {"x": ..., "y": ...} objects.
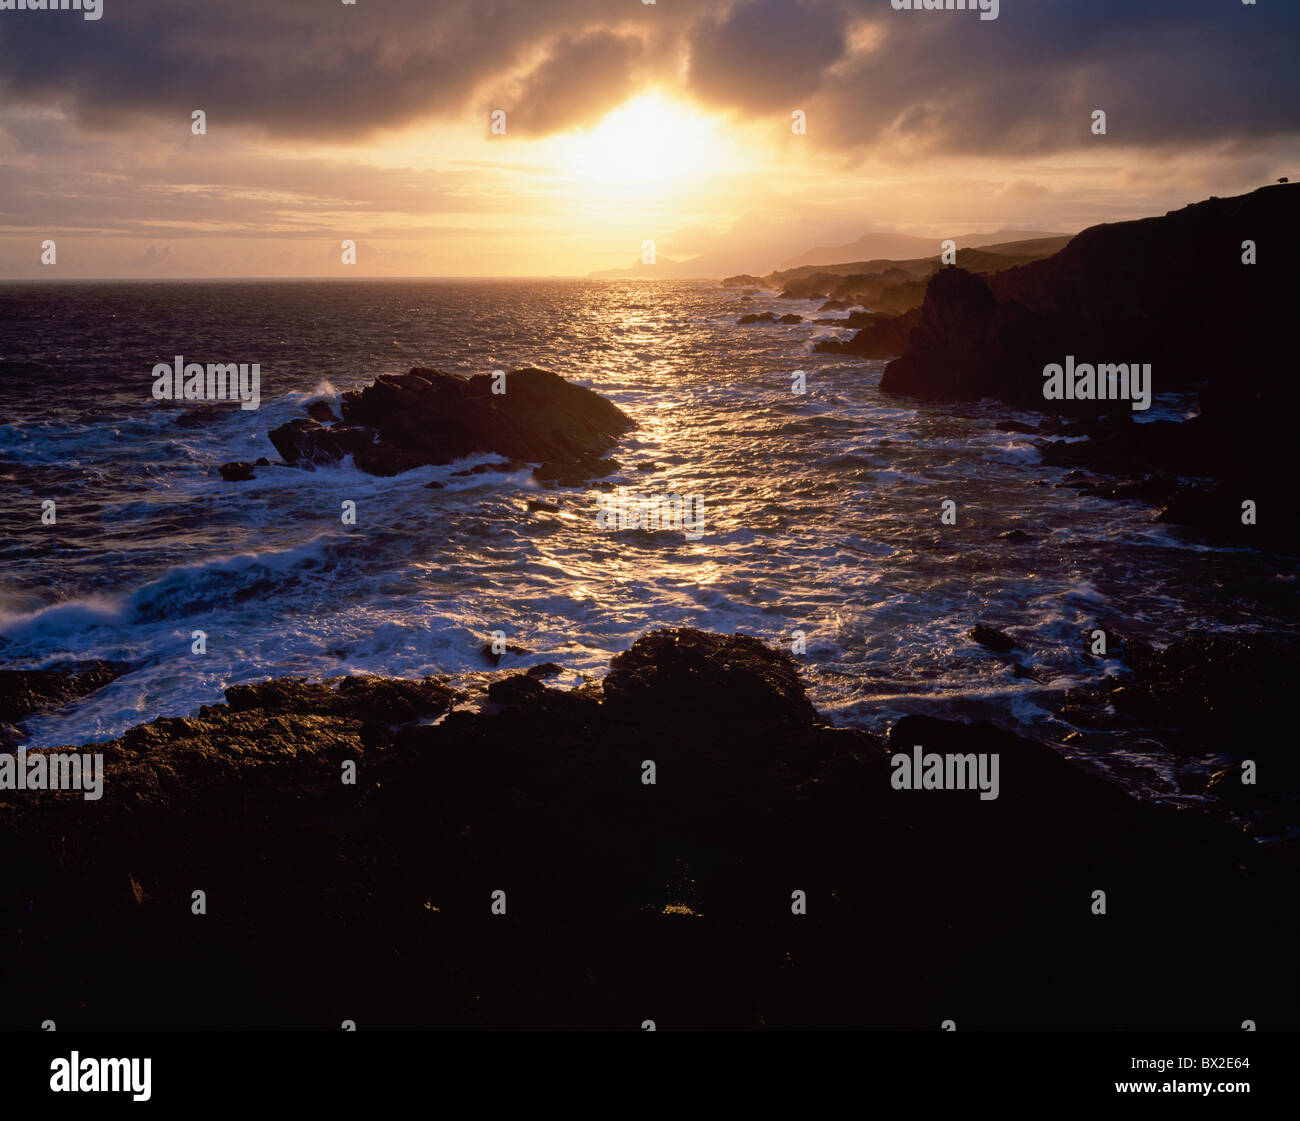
[
  {"x": 873, "y": 79},
  {"x": 766, "y": 54},
  {"x": 577, "y": 83},
  {"x": 1183, "y": 74}
]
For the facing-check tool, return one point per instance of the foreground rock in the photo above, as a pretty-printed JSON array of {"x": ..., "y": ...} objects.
[
  {"x": 429, "y": 417},
  {"x": 373, "y": 902}
]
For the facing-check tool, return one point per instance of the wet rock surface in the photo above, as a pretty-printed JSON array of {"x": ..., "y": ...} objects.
[{"x": 25, "y": 692}]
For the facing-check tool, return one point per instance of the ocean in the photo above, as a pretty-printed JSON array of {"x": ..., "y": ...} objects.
[{"x": 822, "y": 513}]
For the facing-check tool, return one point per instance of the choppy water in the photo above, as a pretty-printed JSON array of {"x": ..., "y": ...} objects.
[{"x": 822, "y": 511}]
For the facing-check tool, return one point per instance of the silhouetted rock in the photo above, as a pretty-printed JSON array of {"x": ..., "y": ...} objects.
[
  {"x": 545, "y": 669},
  {"x": 1172, "y": 292},
  {"x": 308, "y": 443},
  {"x": 1158, "y": 290},
  {"x": 992, "y": 639},
  {"x": 706, "y": 677},
  {"x": 1217, "y": 691},
  {"x": 428, "y": 417},
  {"x": 321, "y": 411},
  {"x": 883, "y": 337},
  {"x": 236, "y": 472}
]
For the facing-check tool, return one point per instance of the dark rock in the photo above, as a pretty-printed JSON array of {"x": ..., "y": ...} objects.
[
  {"x": 24, "y": 692},
  {"x": 791, "y": 318},
  {"x": 495, "y": 658},
  {"x": 881, "y": 337},
  {"x": 1017, "y": 535},
  {"x": 364, "y": 697},
  {"x": 993, "y": 640},
  {"x": 1215, "y": 690},
  {"x": 439, "y": 417},
  {"x": 546, "y": 669},
  {"x": 689, "y": 674},
  {"x": 236, "y": 472},
  {"x": 435, "y": 485},
  {"x": 1167, "y": 291},
  {"x": 537, "y": 504},
  {"x": 1157, "y": 290},
  {"x": 262, "y": 461},
  {"x": 321, "y": 411},
  {"x": 428, "y": 417},
  {"x": 311, "y": 444},
  {"x": 648, "y": 465},
  {"x": 754, "y": 796}
]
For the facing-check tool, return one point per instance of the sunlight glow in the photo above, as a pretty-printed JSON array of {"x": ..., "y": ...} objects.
[{"x": 647, "y": 143}]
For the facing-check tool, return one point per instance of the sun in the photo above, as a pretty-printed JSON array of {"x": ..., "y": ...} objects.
[{"x": 647, "y": 143}]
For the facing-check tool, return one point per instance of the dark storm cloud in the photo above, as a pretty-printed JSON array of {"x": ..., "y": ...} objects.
[
  {"x": 1179, "y": 72},
  {"x": 297, "y": 68},
  {"x": 581, "y": 79},
  {"x": 1189, "y": 72},
  {"x": 765, "y": 54}
]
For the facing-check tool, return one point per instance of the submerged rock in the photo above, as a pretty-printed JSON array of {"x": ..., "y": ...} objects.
[
  {"x": 236, "y": 472},
  {"x": 992, "y": 639}
]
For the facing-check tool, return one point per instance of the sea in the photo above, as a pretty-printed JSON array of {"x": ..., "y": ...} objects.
[{"x": 823, "y": 530}]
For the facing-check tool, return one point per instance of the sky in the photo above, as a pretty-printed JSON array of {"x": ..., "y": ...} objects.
[{"x": 618, "y": 123}]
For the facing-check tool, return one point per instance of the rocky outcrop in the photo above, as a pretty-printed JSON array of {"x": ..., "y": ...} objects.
[
  {"x": 429, "y": 417},
  {"x": 1171, "y": 291},
  {"x": 695, "y": 780},
  {"x": 883, "y": 336},
  {"x": 25, "y": 692}
]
